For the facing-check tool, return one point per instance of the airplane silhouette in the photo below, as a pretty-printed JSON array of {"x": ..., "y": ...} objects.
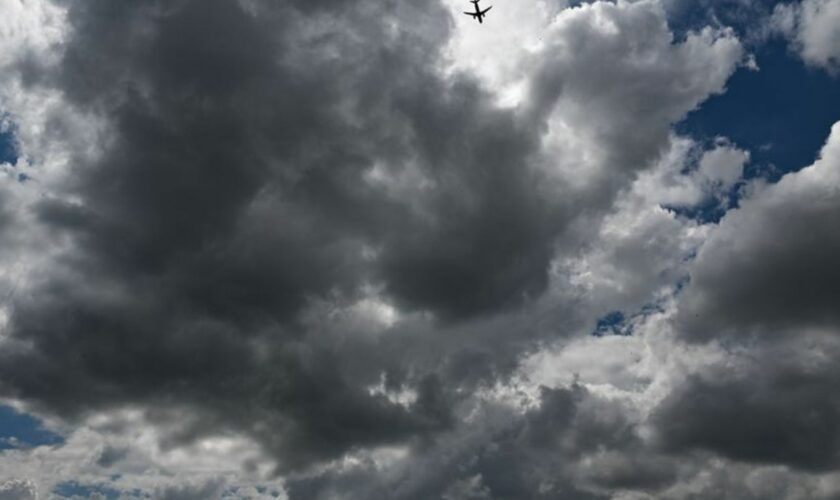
[{"x": 478, "y": 14}]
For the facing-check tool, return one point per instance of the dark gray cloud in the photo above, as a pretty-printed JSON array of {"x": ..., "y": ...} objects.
[
  {"x": 234, "y": 187},
  {"x": 265, "y": 170},
  {"x": 552, "y": 451},
  {"x": 110, "y": 455},
  {"x": 764, "y": 286},
  {"x": 219, "y": 141},
  {"x": 770, "y": 268},
  {"x": 209, "y": 489},
  {"x": 776, "y": 408}
]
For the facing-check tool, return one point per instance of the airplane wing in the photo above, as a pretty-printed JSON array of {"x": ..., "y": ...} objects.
[
  {"x": 473, "y": 14},
  {"x": 485, "y": 10}
]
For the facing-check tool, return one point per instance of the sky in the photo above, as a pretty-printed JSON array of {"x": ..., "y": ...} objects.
[{"x": 361, "y": 249}]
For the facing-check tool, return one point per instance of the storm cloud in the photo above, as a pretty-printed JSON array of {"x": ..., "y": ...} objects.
[{"x": 331, "y": 250}]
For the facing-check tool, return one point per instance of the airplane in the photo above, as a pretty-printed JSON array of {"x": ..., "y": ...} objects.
[{"x": 478, "y": 14}]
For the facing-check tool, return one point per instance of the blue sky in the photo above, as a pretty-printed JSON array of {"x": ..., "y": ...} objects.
[
  {"x": 781, "y": 113},
  {"x": 7, "y": 147},
  {"x": 76, "y": 490},
  {"x": 19, "y": 430}
]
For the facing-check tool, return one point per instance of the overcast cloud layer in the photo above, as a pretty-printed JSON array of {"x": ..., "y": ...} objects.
[{"x": 373, "y": 249}]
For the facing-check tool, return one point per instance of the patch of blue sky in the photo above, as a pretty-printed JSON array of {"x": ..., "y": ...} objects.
[
  {"x": 619, "y": 323},
  {"x": 8, "y": 151},
  {"x": 781, "y": 113},
  {"x": 612, "y": 323},
  {"x": 745, "y": 18},
  {"x": 74, "y": 490},
  {"x": 20, "y": 430}
]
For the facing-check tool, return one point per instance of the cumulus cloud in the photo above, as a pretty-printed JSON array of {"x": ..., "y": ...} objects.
[
  {"x": 769, "y": 267},
  {"x": 327, "y": 250},
  {"x": 18, "y": 490},
  {"x": 763, "y": 289},
  {"x": 555, "y": 449},
  {"x": 768, "y": 412},
  {"x": 812, "y": 27}
]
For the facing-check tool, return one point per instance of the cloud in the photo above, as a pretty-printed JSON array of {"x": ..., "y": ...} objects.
[
  {"x": 763, "y": 287},
  {"x": 810, "y": 25},
  {"x": 553, "y": 449},
  {"x": 775, "y": 412},
  {"x": 323, "y": 253},
  {"x": 768, "y": 269},
  {"x": 210, "y": 489},
  {"x": 18, "y": 490}
]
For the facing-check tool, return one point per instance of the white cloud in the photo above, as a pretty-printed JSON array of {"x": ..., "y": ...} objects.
[
  {"x": 29, "y": 25},
  {"x": 812, "y": 27},
  {"x": 18, "y": 490},
  {"x": 612, "y": 81},
  {"x": 500, "y": 51}
]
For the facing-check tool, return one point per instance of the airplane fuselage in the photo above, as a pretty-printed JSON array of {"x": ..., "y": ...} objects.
[{"x": 478, "y": 14}]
